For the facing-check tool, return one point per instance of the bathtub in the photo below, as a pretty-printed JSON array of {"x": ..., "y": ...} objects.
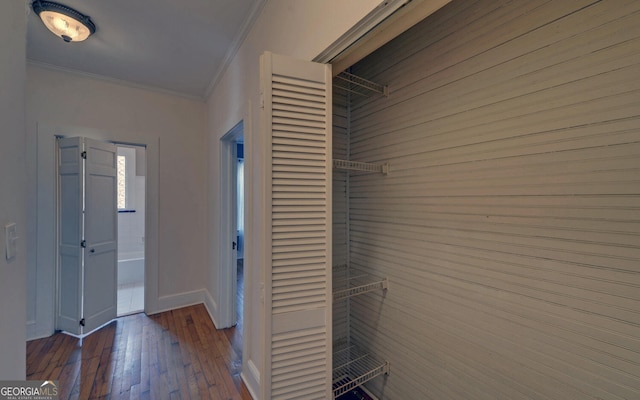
[{"x": 130, "y": 271}]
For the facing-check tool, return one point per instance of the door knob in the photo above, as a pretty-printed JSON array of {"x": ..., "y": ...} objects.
[{"x": 92, "y": 251}]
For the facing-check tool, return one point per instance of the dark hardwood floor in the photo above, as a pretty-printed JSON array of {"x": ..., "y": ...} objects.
[{"x": 172, "y": 355}]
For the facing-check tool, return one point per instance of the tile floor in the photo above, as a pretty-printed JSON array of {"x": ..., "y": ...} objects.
[{"x": 130, "y": 298}]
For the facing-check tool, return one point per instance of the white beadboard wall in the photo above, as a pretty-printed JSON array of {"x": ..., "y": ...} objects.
[{"x": 509, "y": 225}]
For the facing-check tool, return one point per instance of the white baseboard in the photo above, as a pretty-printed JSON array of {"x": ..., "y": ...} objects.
[
  {"x": 251, "y": 378},
  {"x": 31, "y": 330},
  {"x": 37, "y": 332},
  {"x": 164, "y": 303},
  {"x": 179, "y": 300},
  {"x": 211, "y": 306}
]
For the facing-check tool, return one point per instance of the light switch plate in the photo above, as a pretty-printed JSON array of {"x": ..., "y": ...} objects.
[{"x": 10, "y": 241}]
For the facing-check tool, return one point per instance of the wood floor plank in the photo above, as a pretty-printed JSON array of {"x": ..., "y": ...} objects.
[
  {"x": 145, "y": 360},
  {"x": 34, "y": 348},
  {"x": 173, "y": 355},
  {"x": 68, "y": 376},
  {"x": 134, "y": 394},
  {"x": 46, "y": 354},
  {"x": 104, "y": 376},
  {"x": 180, "y": 373},
  {"x": 88, "y": 377},
  {"x": 229, "y": 359},
  {"x": 208, "y": 373},
  {"x": 180, "y": 319}
]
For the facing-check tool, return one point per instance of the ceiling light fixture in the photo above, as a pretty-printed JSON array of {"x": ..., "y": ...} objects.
[{"x": 64, "y": 22}]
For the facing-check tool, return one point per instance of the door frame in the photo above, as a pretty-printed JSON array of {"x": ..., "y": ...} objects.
[
  {"x": 225, "y": 298},
  {"x": 95, "y": 296},
  {"x": 228, "y": 273},
  {"x": 43, "y": 269}
]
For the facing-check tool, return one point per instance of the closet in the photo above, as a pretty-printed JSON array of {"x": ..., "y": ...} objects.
[
  {"x": 483, "y": 210},
  {"x": 353, "y": 364},
  {"x": 508, "y": 221}
]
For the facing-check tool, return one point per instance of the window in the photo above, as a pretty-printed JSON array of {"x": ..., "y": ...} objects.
[
  {"x": 126, "y": 171},
  {"x": 122, "y": 182}
]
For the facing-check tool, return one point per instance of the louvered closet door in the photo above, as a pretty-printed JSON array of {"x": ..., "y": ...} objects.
[{"x": 296, "y": 119}]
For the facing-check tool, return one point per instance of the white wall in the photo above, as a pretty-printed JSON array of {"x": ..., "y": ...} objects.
[
  {"x": 173, "y": 127},
  {"x": 14, "y": 188},
  {"x": 288, "y": 27}
]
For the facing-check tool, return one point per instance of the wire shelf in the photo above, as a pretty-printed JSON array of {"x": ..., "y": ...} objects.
[
  {"x": 361, "y": 166},
  {"x": 357, "y": 85},
  {"x": 359, "y": 284},
  {"x": 352, "y": 368}
]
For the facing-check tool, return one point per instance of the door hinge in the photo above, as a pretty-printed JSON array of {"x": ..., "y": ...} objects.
[
  {"x": 82, "y": 322},
  {"x": 261, "y": 100},
  {"x": 83, "y": 244},
  {"x": 83, "y": 155}
]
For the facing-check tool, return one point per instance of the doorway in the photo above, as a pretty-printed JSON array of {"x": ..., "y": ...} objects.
[
  {"x": 87, "y": 235},
  {"x": 232, "y": 223},
  {"x": 101, "y": 224},
  {"x": 43, "y": 289},
  {"x": 131, "y": 189},
  {"x": 240, "y": 229}
]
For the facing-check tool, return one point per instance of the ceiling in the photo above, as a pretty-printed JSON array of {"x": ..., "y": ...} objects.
[{"x": 179, "y": 46}]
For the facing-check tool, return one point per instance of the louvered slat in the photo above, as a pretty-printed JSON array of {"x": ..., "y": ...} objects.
[{"x": 298, "y": 285}]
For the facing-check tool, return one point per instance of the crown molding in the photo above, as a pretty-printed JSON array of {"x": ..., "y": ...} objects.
[
  {"x": 108, "y": 79},
  {"x": 254, "y": 13}
]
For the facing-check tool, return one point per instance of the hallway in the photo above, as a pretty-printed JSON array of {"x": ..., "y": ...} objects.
[{"x": 175, "y": 354}]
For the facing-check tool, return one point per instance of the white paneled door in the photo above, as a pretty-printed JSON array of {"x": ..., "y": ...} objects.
[
  {"x": 87, "y": 283},
  {"x": 296, "y": 118}
]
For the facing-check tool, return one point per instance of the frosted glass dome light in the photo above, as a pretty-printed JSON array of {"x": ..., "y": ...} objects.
[{"x": 64, "y": 22}]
